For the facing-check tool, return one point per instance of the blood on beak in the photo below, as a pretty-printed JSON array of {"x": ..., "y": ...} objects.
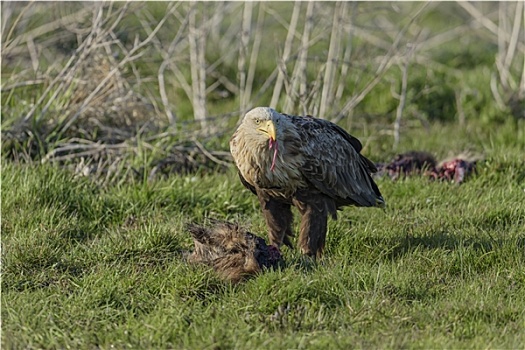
[{"x": 269, "y": 129}]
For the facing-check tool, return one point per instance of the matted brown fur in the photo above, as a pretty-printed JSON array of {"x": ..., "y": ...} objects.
[{"x": 234, "y": 253}]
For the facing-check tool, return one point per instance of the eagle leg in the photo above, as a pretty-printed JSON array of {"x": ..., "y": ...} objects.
[
  {"x": 279, "y": 218},
  {"x": 314, "y": 219}
]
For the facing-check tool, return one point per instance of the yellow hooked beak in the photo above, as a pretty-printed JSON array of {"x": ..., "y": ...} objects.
[{"x": 269, "y": 129}]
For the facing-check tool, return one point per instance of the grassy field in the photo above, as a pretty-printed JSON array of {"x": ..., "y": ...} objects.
[
  {"x": 115, "y": 125},
  {"x": 442, "y": 267}
]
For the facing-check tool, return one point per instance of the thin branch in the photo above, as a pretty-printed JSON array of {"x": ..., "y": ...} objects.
[
  {"x": 208, "y": 154},
  {"x": 333, "y": 53},
  {"x": 196, "y": 40},
  {"x": 487, "y": 23},
  {"x": 386, "y": 62},
  {"x": 298, "y": 79},
  {"x": 345, "y": 65},
  {"x": 516, "y": 29},
  {"x": 23, "y": 84},
  {"x": 402, "y": 97},
  {"x": 243, "y": 49},
  {"x": 286, "y": 53},
  {"x": 132, "y": 55},
  {"x": 41, "y": 30},
  {"x": 255, "y": 52}
]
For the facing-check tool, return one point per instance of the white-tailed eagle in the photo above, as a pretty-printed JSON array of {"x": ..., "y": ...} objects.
[{"x": 307, "y": 162}]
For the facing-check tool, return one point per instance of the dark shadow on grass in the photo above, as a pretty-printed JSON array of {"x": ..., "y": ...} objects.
[
  {"x": 60, "y": 274},
  {"x": 410, "y": 294},
  {"x": 78, "y": 234},
  {"x": 301, "y": 263},
  {"x": 433, "y": 240},
  {"x": 439, "y": 240},
  {"x": 500, "y": 220},
  {"x": 147, "y": 258},
  {"x": 206, "y": 291}
]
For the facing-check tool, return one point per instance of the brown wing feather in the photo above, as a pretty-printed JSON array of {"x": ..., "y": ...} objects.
[
  {"x": 246, "y": 183},
  {"x": 333, "y": 163}
]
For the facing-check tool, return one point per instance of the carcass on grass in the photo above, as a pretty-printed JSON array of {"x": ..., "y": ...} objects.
[
  {"x": 455, "y": 169},
  {"x": 234, "y": 253}
]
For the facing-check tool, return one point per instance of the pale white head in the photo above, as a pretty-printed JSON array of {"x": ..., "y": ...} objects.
[{"x": 264, "y": 124}]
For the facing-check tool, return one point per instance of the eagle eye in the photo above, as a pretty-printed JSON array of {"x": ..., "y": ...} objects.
[{"x": 257, "y": 121}]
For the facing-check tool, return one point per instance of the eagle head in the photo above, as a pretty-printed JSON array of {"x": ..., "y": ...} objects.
[{"x": 264, "y": 123}]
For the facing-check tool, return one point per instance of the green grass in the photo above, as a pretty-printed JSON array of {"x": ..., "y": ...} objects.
[
  {"x": 99, "y": 262},
  {"x": 443, "y": 266}
]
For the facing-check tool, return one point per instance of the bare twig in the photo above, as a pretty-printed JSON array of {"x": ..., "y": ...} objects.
[
  {"x": 197, "y": 41},
  {"x": 402, "y": 96},
  {"x": 79, "y": 54},
  {"x": 254, "y": 54},
  {"x": 521, "y": 92},
  {"x": 243, "y": 53},
  {"x": 510, "y": 54},
  {"x": 41, "y": 30},
  {"x": 345, "y": 64},
  {"x": 208, "y": 154},
  {"x": 23, "y": 84},
  {"x": 298, "y": 80},
  {"x": 286, "y": 54},
  {"x": 459, "y": 106},
  {"x": 487, "y": 23},
  {"x": 167, "y": 61},
  {"x": 132, "y": 55},
  {"x": 495, "y": 92},
  {"x": 331, "y": 60},
  {"x": 385, "y": 63},
  {"x": 505, "y": 89}
]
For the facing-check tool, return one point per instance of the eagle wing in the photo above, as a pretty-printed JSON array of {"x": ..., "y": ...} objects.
[{"x": 333, "y": 164}]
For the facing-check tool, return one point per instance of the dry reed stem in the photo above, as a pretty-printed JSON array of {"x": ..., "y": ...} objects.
[
  {"x": 9, "y": 45},
  {"x": 133, "y": 54},
  {"x": 209, "y": 155},
  {"x": 331, "y": 59},
  {"x": 402, "y": 96},
  {"x": 298, "y": 79},
  {"x": 60, "y": 79},
  {"x": 254, "y": 54},
  {"x": 488, "y": 24},
  {"x": 345, "y": 64},
  {"x": 167, "y": 59},
  {"x": 510, "y": 52},
  {"x": 384, "y": 65},
  {"x": 62, "y": 82},
  {"x": 508, "y": 47},
  {"x": 243, "y": 53},
  {"x": 197, "y": 44},
  {"x": 286, "y": 54}
]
